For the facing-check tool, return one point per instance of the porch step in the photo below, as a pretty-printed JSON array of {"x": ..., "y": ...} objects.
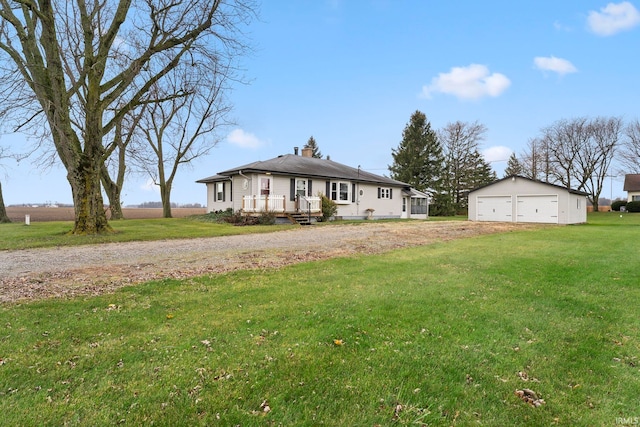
[{"x": 299, "y": 218}]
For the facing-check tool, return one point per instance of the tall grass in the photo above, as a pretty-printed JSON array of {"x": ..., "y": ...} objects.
[{"x": 435, "y": 335}]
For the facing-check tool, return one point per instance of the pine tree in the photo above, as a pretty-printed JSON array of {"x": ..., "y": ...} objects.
[
  {"x": 513, "y": 166},
  {"x": 418, "y": 160},
  {"x": 479, "y": 173},
  {"x": 314, "y": 147}
]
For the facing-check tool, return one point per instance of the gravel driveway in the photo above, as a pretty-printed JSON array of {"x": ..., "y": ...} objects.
[{"x": 96, "y": 269}]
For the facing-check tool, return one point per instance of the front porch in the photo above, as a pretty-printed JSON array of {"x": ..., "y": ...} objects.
[{"x": 278, "y": 204}]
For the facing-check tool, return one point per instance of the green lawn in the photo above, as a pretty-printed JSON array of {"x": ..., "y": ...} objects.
[
  {"x": 435, "y": 335},
  {"x": 56, "y": 233}
]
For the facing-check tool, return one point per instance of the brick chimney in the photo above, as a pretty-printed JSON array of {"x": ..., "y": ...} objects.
[{"x": 307, "y": 152}]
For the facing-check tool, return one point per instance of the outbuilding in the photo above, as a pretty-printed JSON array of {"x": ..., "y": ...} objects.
[{"x": 519, "y": 199}]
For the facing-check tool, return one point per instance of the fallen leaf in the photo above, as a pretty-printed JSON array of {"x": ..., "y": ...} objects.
[
  {"x": 530, "y": 397},
  {"x": 338, "y": 342}
]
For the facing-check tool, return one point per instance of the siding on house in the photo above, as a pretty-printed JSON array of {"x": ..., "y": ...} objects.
[{"x": 364, "y": 191}]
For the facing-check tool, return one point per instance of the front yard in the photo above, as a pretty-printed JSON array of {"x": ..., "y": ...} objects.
[{"x": 443, "y": 334}]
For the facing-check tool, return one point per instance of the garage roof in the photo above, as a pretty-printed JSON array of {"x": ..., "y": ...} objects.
[{"x": 581, "y": 193}]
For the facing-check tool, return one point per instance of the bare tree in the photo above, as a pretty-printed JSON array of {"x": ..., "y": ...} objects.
[
  {"x": 460, "y": 143},
  {"x": 595, "y": 158},
  {"x": 535, "y": 160},
  {"x": 124, "y": 137},
  {"x": 180, "y": 129},
  {"x": 563, "y": 141},
  {"x": 59, "y": 69},
  {"x": 630, "y": 153},
  {"x": 575, "y": 153}
]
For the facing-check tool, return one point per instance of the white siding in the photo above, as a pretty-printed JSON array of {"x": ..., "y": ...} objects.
[{"x": 531, "y": 201}]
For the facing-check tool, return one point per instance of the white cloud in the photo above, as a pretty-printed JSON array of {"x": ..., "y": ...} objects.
[
  {"x": 244, "y": 139},
  {"x": 472, "y": 82},
  {"x": 613, "y": 18},
  {"x": 557, "y": 65},
  {"x": 497, "y": 153},
  {"x": 149, "y": 185},
  {"x": 562, "y": 27}
]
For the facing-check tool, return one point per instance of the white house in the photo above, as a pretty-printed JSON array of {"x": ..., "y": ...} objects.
[
  {"x": 632, "y": 186},
  {"x": 519, "y": 199},
  {"x": 291, "y": 185}
]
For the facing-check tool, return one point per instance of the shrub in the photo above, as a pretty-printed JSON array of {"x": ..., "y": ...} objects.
[
  {"x": 215, "y": 216},
  {"x": 633, "y": 206},
  {"x": 617, "y": 204},
  {"x": 267, "y": 218},
  {"x": 329, "y": 208}
]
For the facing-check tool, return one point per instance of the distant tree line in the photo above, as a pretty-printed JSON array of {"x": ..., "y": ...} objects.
[{"x": 159, "y": 205}]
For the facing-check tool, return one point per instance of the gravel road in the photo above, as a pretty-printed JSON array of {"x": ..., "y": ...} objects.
[{"x": 96, "y": 269}]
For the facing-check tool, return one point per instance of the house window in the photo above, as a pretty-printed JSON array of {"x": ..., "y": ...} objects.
[
  {"x": 385, "y": 193},
  {"x": 301, "y": 187},
  {"x": 340, "y": 192},
  {"x": 418, "y": 205},
  {"x": 404, "y": 204},
  {"x": 219, "y": 191},
  {"x": 265, "y": 186},
  {"x": 635, "y": 198}
]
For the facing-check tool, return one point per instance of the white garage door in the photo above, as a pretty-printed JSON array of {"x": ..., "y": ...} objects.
[
  {"x": 539, "y": 208},
  {"x": 494, "y": 208}
]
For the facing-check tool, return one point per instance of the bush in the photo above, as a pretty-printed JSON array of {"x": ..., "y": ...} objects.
[
  {"x": 633, "y": 206},
  {"x": 329, "y": 208},
  {"x": 215, "y": 216},
  {"x": 617, "y": 204},
  {"x": 267, "y": 218}
]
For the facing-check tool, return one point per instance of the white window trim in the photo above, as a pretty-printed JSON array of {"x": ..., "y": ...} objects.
[{"x": 337, "y": 199}]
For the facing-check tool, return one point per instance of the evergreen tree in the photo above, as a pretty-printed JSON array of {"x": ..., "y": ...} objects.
[
  {"x": 513, "y": 166},
  {"x": 418, "y": 160},
  {"x": 314, "y": 147},
  {"x": 482, "y": 173}
]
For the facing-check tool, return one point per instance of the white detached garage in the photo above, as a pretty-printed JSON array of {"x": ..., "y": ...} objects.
[{"x": 519, "y": 199}]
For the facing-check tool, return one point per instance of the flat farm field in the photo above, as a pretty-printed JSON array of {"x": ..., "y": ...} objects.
[{"x": 41, "y": 214}]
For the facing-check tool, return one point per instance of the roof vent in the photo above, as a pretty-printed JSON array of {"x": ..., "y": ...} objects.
[{"x": 295, "y": 150}]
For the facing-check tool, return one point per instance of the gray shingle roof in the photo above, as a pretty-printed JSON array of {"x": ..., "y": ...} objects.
[
  {"x": 632, "y": 182},
  {"x": 309, "y": 167}
]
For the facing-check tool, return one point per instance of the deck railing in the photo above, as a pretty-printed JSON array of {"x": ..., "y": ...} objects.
[
  {"x": 308, "y": 204},
  {"x": 259, "y": 203}
]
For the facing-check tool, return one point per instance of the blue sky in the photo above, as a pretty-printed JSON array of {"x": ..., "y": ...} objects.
[{"x": 351, "y": 72}]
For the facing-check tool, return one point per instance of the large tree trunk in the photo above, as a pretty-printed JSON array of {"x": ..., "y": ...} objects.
[
  {"x": 113, "y": 189},
  {"x": 113, "y": 192},
  {"x": 90, "y": 215},
  {"x": 3, "y": 211},
  {"x": 165, "y": 194}
]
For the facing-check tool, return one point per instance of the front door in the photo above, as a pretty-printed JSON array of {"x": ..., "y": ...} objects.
[{"x": 265, "y": 186}]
